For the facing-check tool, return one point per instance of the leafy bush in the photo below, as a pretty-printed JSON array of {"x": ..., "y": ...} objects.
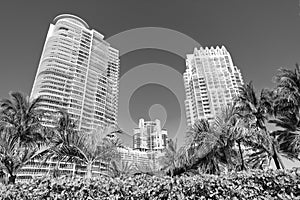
[{"x": 258, "y": 184}]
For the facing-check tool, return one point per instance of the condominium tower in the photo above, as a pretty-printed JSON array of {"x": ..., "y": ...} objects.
[
  {"x": 78, "y": 71},
  {"x": 149, "y": 136},
  {"x": 211, "y": 82}
]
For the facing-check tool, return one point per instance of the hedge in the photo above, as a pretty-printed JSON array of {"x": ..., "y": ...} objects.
[{"x": 258, "y": 184}]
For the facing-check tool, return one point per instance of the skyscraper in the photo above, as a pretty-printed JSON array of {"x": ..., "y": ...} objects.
[
  {"x": 211, "y": 82},
  {"x": 149, "y": 136},
  {"x": 78, "y": 71}
]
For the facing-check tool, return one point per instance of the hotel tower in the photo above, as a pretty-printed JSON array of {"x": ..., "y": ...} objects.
[
  {"x": 211, "y": 82},
  {"x": 78, "y": 71}
]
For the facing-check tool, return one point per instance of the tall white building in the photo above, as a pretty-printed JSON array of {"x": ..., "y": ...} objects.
[
  {"x": 149, "y": 136},
  {"x": 78, "y": 71},
  {"x": 211, "y": 82}
]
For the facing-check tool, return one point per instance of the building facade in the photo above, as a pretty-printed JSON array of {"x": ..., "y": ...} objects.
[
  {"x": 139, "y": 160},
  {"x": 149, "y": 136},
  {"x": 211, "y": 83},
  {"x": 78, "y": 71},
  {"x": 35, "y": 168}
]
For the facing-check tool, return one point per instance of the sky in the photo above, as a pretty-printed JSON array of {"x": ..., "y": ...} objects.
[{"x": 262, "y": 36}]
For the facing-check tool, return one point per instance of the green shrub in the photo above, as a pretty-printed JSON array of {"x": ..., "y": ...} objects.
[{"x": 258, "y": 184}]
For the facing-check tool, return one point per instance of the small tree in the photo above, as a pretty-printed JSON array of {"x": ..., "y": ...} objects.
[
  {"x": 87, "y": 149},
  {"x": 171, "y": 160},
  {"x": 119, "y": 168}
]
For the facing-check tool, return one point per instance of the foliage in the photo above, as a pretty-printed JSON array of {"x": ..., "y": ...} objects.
[
  {"x": 13, "y": 156},
  {"x": 258, "y": 184},
  {"x": 172, "y": 158},
  {"x": 22, "y": 117},
  {"x": 22, "y": 135},
  {"x": 87, "y": 149},
  {"x": 203, "y": 147},
  {"x": 256, "y": 111},
  {"x": 287, "y": 112},
  {"x": 287, "y": 91},
  {"x": 288, "y": 137},
  {"x": 120, "y": 168},
  {"x": 82, "y": 148},
  {"x": 211, "y": 146}
]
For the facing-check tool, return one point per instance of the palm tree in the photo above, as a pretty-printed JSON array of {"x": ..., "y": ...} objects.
[
  {"x": 87, "y": 149},
  {"x": 13, "y": 155},
  {"x": 218, "y": 145},
  {"x": 204, "y": 148},
  {"x": 23, "y": 117},
  {"x": 288, "y": 137},
  {"x": 62, "y": 135},
  {"x": 71, "y": 145},
  {"x": 256, "y": 111},
  {"x": 287, "y": 107},
  {"x": 120, "y": 168},
  {"x": 169, "y": 159},
  {"x": 259, "y": 147},
  {"x": 230, "y": 132},
  {"x": 288, "y": 91}
]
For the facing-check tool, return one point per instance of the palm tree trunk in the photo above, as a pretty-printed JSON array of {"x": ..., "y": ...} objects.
[
  {"x": 277, "y": 160},
  {"x": 242, "y": 158},
  {"x": 89, "y": 170},
  {"x": 280, "y": 161}
]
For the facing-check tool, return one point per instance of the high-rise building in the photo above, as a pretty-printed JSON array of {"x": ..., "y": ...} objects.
[
  {"x": 78, "y": 71},
  {"x": 149, "y": 136},
  {"x": 211, "y": 82}
]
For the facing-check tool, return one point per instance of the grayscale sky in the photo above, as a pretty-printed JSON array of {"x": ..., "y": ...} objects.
[{"x": 261, "y": 35}]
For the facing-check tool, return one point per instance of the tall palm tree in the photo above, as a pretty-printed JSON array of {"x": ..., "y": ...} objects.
[
  {"x": 13, "y": 155},
  {"x": 23, "y": 117},
  {"x": 287, "y": 115},
  {"x": 252, "y": 108},
  {"x": 256, "y": 111}
]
